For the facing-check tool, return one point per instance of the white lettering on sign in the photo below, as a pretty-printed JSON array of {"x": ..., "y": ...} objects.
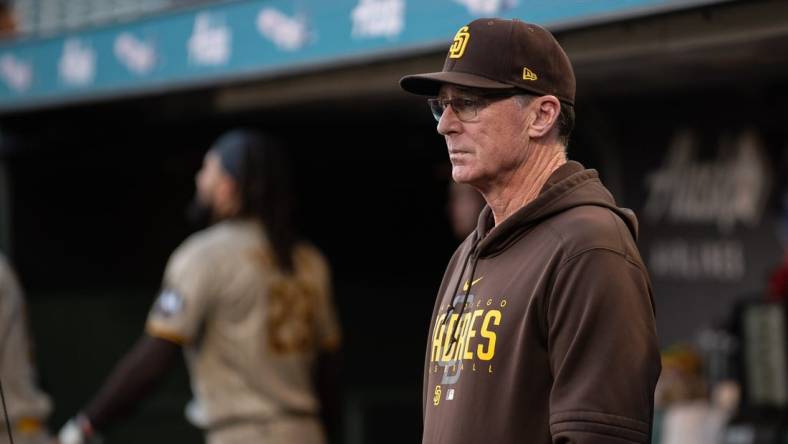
[
  {"x": 287, "y": 33},
  {"x": 17, "y": 74},
  {"x": 378, "y": 18},
  {"x": 489, "y": 7},
  {"x": 683, "y": 259},
  {"x": 77, "y": 65},
  {"x": 210, "y": 41},
  {"x": 137, "y": 55},
  {"x": 731, "y": 189}
]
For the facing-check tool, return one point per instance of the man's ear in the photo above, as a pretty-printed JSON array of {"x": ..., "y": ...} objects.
[{"x": 547, "y": 109}]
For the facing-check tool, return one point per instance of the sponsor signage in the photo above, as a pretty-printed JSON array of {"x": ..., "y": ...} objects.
[{"x": 254, "y": 38}]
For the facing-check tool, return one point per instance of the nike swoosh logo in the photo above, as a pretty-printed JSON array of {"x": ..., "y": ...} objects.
[{"x": 467, "y": 287}]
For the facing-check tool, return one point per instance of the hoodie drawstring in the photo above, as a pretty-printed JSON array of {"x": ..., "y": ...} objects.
[{"x": 471, "y": 255}]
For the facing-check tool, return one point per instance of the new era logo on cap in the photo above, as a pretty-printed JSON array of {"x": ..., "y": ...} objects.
[{"x": 498, "y": 54}]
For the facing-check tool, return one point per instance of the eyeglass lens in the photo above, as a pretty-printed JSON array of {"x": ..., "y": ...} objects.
[{"x": 464, "y": 108}]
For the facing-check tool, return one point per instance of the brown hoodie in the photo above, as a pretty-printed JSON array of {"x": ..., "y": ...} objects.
[{"x": 543, "y": 329}]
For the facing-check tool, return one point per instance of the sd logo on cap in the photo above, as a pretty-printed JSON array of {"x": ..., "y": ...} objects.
[
  {"x": 457, "y": 48},
  {"x": 504, "y": 54}
]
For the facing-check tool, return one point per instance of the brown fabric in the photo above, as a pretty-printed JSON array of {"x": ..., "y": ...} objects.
[
  {"x": 493, "y": 53},
  {"x": 131, "y": 380},
  {"x": 557, "y": 340}
]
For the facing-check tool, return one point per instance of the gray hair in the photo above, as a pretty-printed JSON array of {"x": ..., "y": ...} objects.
[{"x": 566, "y": 118}]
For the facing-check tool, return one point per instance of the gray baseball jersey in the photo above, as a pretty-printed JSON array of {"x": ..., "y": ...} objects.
[
  {"x": 250, "y": 333},
  {"x": 28, "y": 407}
]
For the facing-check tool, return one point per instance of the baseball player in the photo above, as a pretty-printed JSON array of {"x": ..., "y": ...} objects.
[
  {"x": 248, "y": 302},
  {"x": 26, "y": 407}
]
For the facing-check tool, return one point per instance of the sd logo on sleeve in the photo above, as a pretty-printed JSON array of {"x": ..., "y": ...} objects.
[{"x": 169, "y": 304}]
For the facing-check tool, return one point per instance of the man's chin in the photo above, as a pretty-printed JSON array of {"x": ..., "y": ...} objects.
[{"x": 462, "y": 174}]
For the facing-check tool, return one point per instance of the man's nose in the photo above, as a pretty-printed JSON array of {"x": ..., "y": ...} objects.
[{"x": 448, "y": 123}]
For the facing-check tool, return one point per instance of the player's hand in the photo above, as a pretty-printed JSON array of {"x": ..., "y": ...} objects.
[
  {"x": 76, "y": 430},
  {"x": 71, "y": 433}
]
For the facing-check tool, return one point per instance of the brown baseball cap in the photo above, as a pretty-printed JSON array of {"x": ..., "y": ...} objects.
[{"x": 493, "y": 53}]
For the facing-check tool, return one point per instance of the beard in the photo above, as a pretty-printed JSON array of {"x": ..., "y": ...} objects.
[{"x": 199, "y": 215}]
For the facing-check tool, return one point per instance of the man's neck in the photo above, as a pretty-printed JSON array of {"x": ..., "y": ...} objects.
[{"x": 524, "y": 185}]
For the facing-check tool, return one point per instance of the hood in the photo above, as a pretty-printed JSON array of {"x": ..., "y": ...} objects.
[{"x": 570, "y": 186}]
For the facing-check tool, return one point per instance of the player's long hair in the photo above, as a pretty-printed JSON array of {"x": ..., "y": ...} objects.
[
  {"x": 265, "y": 190},
  {"x": 266, "y": 193}
]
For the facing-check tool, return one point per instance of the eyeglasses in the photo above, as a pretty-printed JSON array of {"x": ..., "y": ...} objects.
[{"x": 466, "y": 108}]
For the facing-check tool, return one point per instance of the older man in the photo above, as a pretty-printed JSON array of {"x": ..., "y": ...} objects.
[{"x": 543, "y": 329}]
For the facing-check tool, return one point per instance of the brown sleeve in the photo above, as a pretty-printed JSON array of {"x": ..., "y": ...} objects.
[
  {"x": 131, "y": 380},
  {"x": 603, "y": 351},
  {"x": 327, "y": 380}
]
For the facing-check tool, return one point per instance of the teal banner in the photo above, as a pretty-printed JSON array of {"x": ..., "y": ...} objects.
[{"x": 256, "y": 38}]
